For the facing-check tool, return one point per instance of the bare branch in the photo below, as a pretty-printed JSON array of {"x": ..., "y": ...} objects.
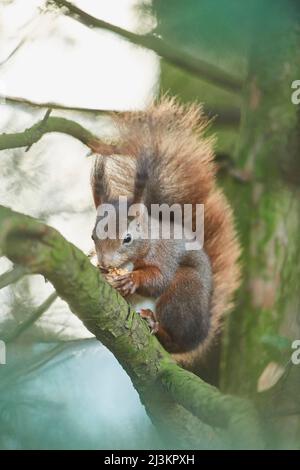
[
  {"x": 13, "y": 275},
  {"x": 31, "y": 319},
  {"x": 191, "y": 64},
  {"x": 21, "y": 373},
  {"x": 55, "y": 105},
  {"x": 222, "y": 116}
]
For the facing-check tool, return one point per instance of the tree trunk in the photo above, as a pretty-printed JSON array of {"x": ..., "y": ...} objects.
[{"x": 268, "y": 210}]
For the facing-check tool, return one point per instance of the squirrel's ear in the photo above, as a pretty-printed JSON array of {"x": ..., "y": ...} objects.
[
  {"x": 97, "y": 199},
  {"x": 140, "y": 182},
  {"x": 99, "y": 182},
  {"x": 138, "y": 195}
]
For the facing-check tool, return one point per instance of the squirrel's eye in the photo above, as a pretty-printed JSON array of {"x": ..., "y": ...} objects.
[{"x": 127, "y": 239}]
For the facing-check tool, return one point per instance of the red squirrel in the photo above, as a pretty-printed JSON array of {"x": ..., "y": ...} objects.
[{"x": 163, "y": 157}]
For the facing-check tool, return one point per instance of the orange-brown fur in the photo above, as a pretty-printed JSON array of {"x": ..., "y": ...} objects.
[{"x": 175, "y": 133}]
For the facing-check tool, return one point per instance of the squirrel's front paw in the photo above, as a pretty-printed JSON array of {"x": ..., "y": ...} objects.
[
  {"x": 151, "y": 319},
  {"x": 127, "y": 284}
]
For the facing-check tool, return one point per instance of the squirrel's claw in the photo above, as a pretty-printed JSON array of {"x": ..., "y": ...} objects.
[
  {"x": 151, "y": 319},
  {"x": 126, "y": 284}
]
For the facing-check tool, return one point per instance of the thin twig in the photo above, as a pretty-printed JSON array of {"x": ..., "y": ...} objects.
[
  {"x": 41, "y": 127},
  {"x": 13, "y": 52},
  {"x": 222, "y": 116}
]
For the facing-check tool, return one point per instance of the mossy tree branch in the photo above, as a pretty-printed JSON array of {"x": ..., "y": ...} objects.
[
  {"x": 57, "y": 124},
  {"x": 170, "y": 394},
  {"x": 54, "y": 124}
]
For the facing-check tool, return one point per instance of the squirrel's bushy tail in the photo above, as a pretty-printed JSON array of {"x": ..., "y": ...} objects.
[
  {"x": 174, "y": 163},
  {"x": 174, "y": 160}
]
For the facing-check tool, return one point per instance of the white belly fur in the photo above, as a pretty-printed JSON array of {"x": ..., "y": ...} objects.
[{"x": 139, "y": 302}]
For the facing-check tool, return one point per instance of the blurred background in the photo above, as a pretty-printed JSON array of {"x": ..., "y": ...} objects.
[{"x": 60, "y": 388}]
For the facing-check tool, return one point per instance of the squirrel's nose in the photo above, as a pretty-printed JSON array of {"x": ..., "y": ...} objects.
[{"x": 105, "y": 262}]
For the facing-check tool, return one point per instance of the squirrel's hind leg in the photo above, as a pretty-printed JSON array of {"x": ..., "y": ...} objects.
[
  {"x": 155, "y": 327},
  {"x": 183, "y": 312},
  {"x": 151, "y": 318}
]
